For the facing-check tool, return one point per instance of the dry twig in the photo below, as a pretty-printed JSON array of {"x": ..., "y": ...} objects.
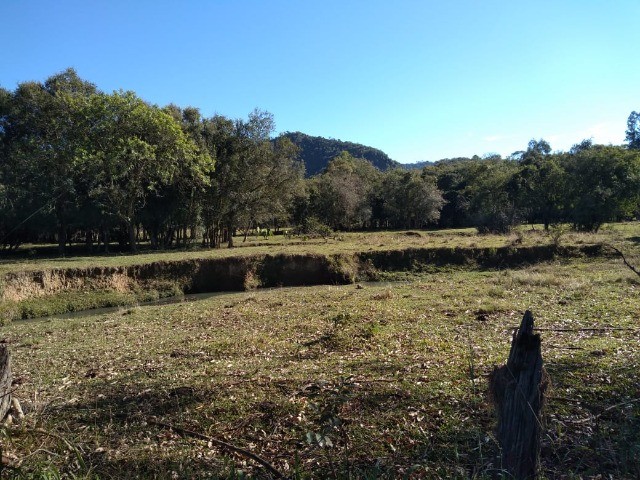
[
  {"x": 223, "y": 444},
  {"x": 633, "y": 269}
]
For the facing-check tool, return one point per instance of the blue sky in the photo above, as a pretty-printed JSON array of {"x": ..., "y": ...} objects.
[{"x": 421, "y": 80}]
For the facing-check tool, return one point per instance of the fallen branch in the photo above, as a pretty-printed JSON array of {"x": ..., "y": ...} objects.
[
  {"x": 618, "y": 405},
  {"x": 10, "y": 392},
  {"x": 559, "y": 347},
  {"x": 633, "y": 269},
  {"x": 222, "y": 444}
]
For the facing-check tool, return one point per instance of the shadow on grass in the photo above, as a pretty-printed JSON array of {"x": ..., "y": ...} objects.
[
  {"x": 124, "y": 404},
  {"x": 121, "y": 418},
  {"x": 593, "y": 426}
]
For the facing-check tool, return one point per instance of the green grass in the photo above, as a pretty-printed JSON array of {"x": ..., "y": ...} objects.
[
  {"x": 383, "y": 371},
  {"x": 351, "y": 256},
  {"x": 623, "y": 234}
]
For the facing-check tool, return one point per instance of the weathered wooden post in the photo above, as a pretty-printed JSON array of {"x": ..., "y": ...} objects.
[
  {"x": 518, "y": 391},
  {"x": 5, "y": 381}
]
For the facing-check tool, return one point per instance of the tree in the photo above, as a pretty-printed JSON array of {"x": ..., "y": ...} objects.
[
  {"x": 537, "y": 187},
  {"x": 585, "y": 144},
  {"x": 254, "y": 177},
  {"x": 43, "y": 130},
  {"x": 492, "y": 204},
  {"x": 605, "y": 186},
  {"x": 173, "y": 211},
  {"x": 453, "y": 177},
  {"x": 541, "y": 191},
  {"x": 633, "y": 131},
  {"x": 411, "y": 199},
  {"x": 136, "y": 151},
  {"x": 341, "y": 196}
]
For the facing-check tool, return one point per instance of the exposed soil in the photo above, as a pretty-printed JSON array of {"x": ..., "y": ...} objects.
[{"x": 247, "y": 272}]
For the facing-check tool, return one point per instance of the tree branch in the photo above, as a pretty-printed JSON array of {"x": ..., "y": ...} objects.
[
  {"x": 225, "y": 445},
  {"x": 633, "y": 269}
]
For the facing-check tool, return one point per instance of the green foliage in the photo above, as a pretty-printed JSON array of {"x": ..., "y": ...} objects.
[
  {"x": 605, "y": 186},
  {"x": 255, "y": 178},
  {"x": 138, "y": 152},
  {"x": 317, "y": 152},
  {"x": 313, "y": 227},
  {"x": 633, "y": 131},
  {"x": 492, "y": 204},
  {"x": 80, "y": 165},
  {"x": 409, "y": 199},
  {"x": 340, "y": 197},
  {"x": 44, "y": 133}
]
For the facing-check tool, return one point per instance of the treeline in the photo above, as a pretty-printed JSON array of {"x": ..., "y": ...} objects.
[
  {"x": 585, "y": 187},
  {"x": 78, "y": 164},
  {"x": 81, "y": 165}
]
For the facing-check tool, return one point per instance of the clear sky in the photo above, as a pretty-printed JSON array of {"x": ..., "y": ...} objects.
[{"x": 421, "y": 80}]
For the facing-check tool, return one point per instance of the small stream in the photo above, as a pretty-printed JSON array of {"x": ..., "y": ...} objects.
[{"x": 94, "y": 312}]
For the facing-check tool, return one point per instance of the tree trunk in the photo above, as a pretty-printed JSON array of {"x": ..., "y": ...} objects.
[
  {"x": 106, "y": 239},
  {"x": 230, "y": 233},
  {"x": 132, "y": 236},
  {"x": 5, "y": 381},
  {"x": 62, "y": 238},
  {"x": 89, "y": 241},
  {"x": 518, "y": 392}
]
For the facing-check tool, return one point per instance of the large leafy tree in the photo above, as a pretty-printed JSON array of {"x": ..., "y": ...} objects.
[
  {"x": 254, "y": 177},
  {"x": 173, "y": 211},
  {"x": 43, "y": 142},
  {"x": 136, "y": 151},
  {"x": 605, "y": 185},
  {"x": 492, "y": 203},
  {"x": 411, "y": 199},
  {"x": 538, "y": 186},
  {"x": 341, "y": 197},
  {"x": 453, "y": 178}
]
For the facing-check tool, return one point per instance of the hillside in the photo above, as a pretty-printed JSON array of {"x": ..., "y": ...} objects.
[{"x": 316, "y": 152}]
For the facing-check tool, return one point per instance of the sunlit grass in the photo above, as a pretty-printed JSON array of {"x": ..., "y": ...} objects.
[
  {"x": 382, "y": 370},
  {"x": 623, "y": 234}
]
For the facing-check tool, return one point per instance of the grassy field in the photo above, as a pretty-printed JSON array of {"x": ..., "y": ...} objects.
[
  {"x": 380, "y": 380},
  {"x": 41, "y": 257}
]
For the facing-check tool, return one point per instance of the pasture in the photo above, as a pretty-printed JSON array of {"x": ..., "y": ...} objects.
[{"x": 367, "y": 380}]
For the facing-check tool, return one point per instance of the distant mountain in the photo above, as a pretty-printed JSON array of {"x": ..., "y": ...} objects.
[{"x": 316, "y": 152}]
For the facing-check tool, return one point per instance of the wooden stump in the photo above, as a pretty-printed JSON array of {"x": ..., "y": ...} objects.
[
  {"x": 518, "y": 392},
  {"x": 5, "y": 381}
]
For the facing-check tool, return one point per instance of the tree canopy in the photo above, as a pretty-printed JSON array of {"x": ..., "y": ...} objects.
[{"x": 78, "y": 164}]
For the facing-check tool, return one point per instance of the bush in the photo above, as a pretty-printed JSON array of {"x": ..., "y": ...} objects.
[
  {"x": 313, "y": 227},
  {"x": 495, "y": 222}
]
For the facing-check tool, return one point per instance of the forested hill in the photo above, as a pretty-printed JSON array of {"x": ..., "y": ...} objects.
[{"x": 316, "y": 152}]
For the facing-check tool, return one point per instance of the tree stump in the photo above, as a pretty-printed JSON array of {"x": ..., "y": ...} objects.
[
  {"x": 518, "y": 391},
  {"x": 5, "y": 381}
]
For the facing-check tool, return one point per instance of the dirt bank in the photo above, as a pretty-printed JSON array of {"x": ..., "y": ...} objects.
[{"x": 132, "y": 283}]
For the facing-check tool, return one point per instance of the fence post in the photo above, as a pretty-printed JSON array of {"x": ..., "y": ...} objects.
[
  {"x": 518, "y": 392},
  {"x": 5, "y": 381}
]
